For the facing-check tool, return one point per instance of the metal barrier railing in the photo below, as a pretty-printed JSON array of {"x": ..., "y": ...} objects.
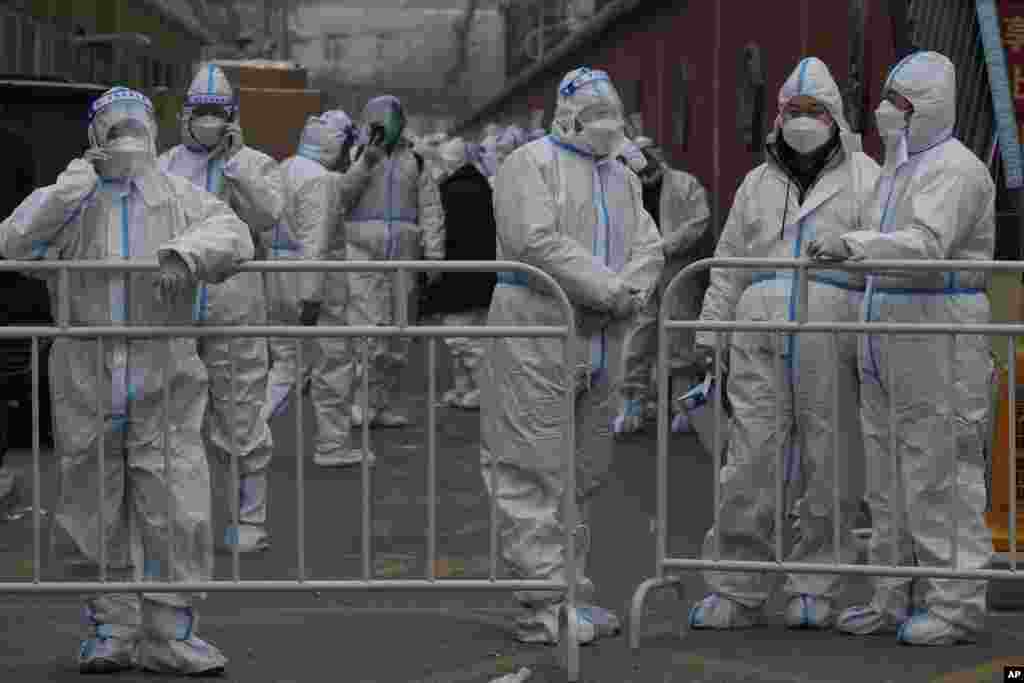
[
  {"x": 401, "y": 328},
  {"x": 798, "y": 325}
]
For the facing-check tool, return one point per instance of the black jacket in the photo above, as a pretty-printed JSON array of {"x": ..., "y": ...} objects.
[{"x": 470, "y": 235}]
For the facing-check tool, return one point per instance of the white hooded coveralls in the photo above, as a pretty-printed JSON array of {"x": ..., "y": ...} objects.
[
  {"x": 767, "y": 220},
  {"x": 250, "y": 183},
  {"x": 82, "y": 217}
]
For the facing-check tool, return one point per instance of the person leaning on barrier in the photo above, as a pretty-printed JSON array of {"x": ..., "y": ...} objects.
[
  {"x": 679, "y": 206},
  {"x": 116, "y": 204},
  {"x": 811, "y": 185},
  {"x": 935, "y": 200},
  {"x": 333, "y": 374},
  {"x": 549, "y": 212},
  {"x": 214, "y": 156},
  {"x": 397, "y": 217},
  {"x": 463, "y": 298}
]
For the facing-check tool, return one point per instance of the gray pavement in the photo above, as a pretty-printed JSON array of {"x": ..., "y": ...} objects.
[{"x": 449, "y": 637}]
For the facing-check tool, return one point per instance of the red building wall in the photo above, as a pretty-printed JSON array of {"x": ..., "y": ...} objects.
[{"x": 647, "y": 48}]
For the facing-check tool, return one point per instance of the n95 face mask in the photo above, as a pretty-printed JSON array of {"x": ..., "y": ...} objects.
[
  {"x": 805, "y": 134},
  {"x": 889, "y": 119},
  {"x": 603, "y": 135},
  {"x": 207, "y": 130}
]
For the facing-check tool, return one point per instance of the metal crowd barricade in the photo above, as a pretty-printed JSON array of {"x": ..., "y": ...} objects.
[
  {"x": 401, "y": 328},
  {"x": 663, "y": 563}
]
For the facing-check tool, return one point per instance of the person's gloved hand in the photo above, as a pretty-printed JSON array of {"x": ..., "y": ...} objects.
[
  {"x": 828, "y": 248},
  {"x": 97, "y": 157},
  {"x": 174, "y": 280},
  {"x": 372, "y": 155},
  {"x": 232, "y": 142},
  {"x": 626, "y": 303},
  {"x": 309, "y": 313}
]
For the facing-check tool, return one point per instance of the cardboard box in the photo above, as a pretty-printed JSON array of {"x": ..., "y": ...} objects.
[
  {"x": 264, "y": 74},
  {"x": 273, "y": 118}
]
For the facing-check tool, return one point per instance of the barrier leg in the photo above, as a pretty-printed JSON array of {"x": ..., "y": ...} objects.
[{"x": 638, "y": 605}]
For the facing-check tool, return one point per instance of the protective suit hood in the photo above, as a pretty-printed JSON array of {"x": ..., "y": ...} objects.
[
  {"x": 209, "y": 87},
  {"x": 581, "y": 89},
  {"x": 811, "y": 78},
  {"x": 123, "y": 122},
  {"x": 385, "y": 111},
  {"x": 928, "y": 80},
  {"x": 324, "y": 137}
]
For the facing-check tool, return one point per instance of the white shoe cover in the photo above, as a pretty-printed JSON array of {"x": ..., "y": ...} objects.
[
  {"x": 681, "y": 424},
  {"x": 809, "y": 611},
  {"x": 189, "y": 657},
  {"x": 357, "y": 415},
  {"x": 865, "y": 620},
  {"x": 470, "y": 400},
  {"x": 250, "y": 538},
  {"x": 924, "y": 628},
  {"x": 544, "y": 625},
  {"x": 169, "y": 643},
  {"x": 102, "y": 655},
  {"x": 388, "y": 418},
  {"x": 630, "y": 419},
  {"x": 719, "y": 612},
  {"x": 345, "y": 458}
]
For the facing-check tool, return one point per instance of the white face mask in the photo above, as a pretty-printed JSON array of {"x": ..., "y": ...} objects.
[
  {"x": 603, "y": 135},
  {"x": 805, "y": 134},
  {"x": 889, "y": 119},
  {"x": 129, "y": 156},
  {"x": 207, "y": 130}
]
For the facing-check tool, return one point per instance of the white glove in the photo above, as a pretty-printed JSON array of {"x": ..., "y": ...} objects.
[
  {"x": 232, "y": 142},
  {"x": 626, "y": 303},
  {"x": 828, "y": 248},
  {"x": 174, "y": 280}
]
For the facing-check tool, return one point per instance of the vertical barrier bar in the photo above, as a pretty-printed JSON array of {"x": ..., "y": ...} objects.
[
  {"x": 954, "y": 470},
  {"x": 300, "y": 445},
  {"x": 897, "y": 503},
  {"x": 367, "y": 573},
  {"x": 431, "y": 458},
  {"x": 1012, "y": 418},
  {"x": 780, "y": 463},
  {"x": 837, "y": 511},
  {"x": 167, "y": 453},
  {"x": 236, "y": 485},
  {"x": 661, "y": 518},
  {"x": 101, "y": 464},
  {"x": 572, "y": 523},
  {"x": 716, "y": 457},
  {"x": 65, "y": 305},
  {"x": 36, "y": 495}
]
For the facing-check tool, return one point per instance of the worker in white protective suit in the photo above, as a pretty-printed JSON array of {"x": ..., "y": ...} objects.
[
  {"x": 935, "y": 200},
  {"x": 397, "y": 217},
  {"x": 679, "y": 206},
  {"x": 326, "y": 141},
  {"x": 311, "y": 209},
  {"x": 810, "y": 187},
  {"x": 116, "y": 204},
  {"x": 564, "y": 205},
  {"x": 214, "y": 157}
]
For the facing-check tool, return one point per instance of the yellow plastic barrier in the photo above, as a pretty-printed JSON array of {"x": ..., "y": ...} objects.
[{"x": 999, "y": 517}]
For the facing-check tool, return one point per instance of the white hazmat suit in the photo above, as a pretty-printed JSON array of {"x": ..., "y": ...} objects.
[
  {"x": 397, "y": 217},
  {"x": 146, "y": 214},
  {"x": 332, "y": 377},
  {"x": 564, "y": 206},
  {"x": 774, "y": 215},
  {"x": 249, "y": 182},
  {"x": 683, "y": 218},
  {"x": 935, "y": 200}
]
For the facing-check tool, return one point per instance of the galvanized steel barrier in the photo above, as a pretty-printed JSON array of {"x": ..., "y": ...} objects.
[
  {"x": 401, "y": 328},
  {"x": 801, "y": 267}
]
